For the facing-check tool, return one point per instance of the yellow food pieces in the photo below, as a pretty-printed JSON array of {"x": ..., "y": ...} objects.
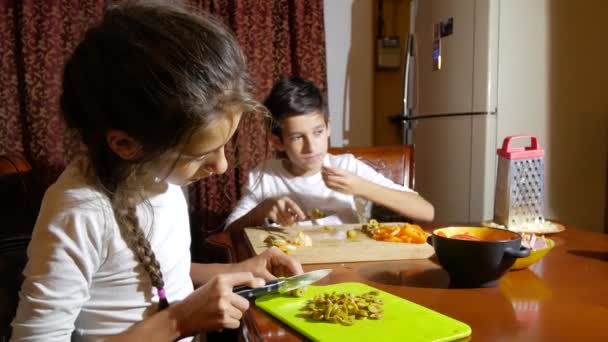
[
  {"x": 298, "y": 292},
  {"x": 329, "y": 229},
  {"x": 317, "y": 213},
  {"x": 410, "y": 233},
  {"x": 344, "y": 308},
  {"x": 302, "y": 240},
  {"x": 289, "y": 245},
  {"x": 351, "y": 234}
]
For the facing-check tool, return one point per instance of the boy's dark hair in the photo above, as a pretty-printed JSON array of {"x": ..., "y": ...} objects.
[
  {"x": 157, "y": 72},
  {"x": 293, "y": 96}
]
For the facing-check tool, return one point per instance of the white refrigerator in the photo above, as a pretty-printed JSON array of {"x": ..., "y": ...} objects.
[{"x": 451, "y": 110}]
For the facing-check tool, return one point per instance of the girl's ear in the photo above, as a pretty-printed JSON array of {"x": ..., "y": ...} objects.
[
  {"x": 123, "y": 145},
  {"x": 276, "y": 143}
]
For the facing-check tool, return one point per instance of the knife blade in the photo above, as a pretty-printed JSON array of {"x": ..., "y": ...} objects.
[
  {"x": 282, "y": 285},
  {"x": 328, "y": 220}
]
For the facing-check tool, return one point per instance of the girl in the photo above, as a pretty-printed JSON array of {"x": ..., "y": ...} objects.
[{"x": 155, "y": 93}]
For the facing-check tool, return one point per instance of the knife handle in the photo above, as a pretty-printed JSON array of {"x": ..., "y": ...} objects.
[{"x": 248, "y": 292}]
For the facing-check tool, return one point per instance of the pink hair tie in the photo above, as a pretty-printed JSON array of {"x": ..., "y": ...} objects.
[{"x": 161, "y": 293}]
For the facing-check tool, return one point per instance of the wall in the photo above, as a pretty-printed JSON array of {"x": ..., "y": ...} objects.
[
  {"x": 552, "y": 74},
  {"x": 388, "y": 84},
  {"x": 578, "y": 109},
  {"x": 523, "y": 75},
  {"x": 348, "y": 37}
]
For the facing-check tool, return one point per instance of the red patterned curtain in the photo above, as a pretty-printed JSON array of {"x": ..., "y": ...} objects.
[
  {"x": 35, "y": 39},
  {"x": 280, "y": 38}
]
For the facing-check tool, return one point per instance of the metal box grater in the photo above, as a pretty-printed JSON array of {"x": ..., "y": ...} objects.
[{"x": 520, "y": 183}]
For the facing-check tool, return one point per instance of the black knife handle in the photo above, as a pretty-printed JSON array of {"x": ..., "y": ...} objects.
[{"x": 248, "y": 292}]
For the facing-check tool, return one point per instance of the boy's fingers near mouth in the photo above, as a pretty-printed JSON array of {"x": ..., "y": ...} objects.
[
  {"x": 332, "y": 179},
  {"x": 329, "y": 170}
]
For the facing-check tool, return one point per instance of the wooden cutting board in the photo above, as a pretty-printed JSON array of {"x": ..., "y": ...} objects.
[{"x": 332, "y": 245}]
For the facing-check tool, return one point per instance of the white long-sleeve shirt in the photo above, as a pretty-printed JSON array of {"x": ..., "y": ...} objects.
[
  {"x": 82, "y": 282},
  {"x": 271, "y": 179}
]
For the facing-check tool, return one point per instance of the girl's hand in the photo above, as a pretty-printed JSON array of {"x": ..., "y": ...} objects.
[
  {"x": 271, "y": 264},
  {"x": 282, "y": 210},
  {"x": 214, "y": 306},
  {"x": 342, "y": 181}
]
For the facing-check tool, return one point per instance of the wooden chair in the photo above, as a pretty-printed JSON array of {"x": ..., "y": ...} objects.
[
  {"x": 19, "y": 205},
  {"x": 394, "y": 162},
  {"x": 21, "y": 196}
]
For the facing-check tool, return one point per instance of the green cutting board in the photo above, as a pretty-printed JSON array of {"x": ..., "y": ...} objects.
[{"x": 402, "y": 321}]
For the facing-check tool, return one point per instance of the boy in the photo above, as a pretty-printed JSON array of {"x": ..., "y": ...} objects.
[{"x": 307, "y": 179}]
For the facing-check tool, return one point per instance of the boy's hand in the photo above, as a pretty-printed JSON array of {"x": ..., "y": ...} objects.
[
  {"x": 271, "y": 264},
  {"x": 342, "y": 181},
  {"x": 282, "y": 210}
]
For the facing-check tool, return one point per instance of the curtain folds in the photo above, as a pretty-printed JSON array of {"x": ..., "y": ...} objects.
[{"x": 280, "y": 38}]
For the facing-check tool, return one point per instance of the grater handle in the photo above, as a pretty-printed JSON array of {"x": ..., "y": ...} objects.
[{"x": 506, "y": 143}]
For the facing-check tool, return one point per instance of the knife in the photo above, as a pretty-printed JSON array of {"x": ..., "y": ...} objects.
[
  {"x": 328, "y": 220},
  {"x": 282, "y": 285}
]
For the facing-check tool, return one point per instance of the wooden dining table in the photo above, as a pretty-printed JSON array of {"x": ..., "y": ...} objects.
[{"x": 563, "y": 297}]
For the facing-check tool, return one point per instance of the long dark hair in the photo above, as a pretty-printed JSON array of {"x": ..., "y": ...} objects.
[{"x": 157, "y": 72}]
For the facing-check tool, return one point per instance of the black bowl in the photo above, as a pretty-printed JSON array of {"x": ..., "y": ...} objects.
[{"x": 480, "y": 263}]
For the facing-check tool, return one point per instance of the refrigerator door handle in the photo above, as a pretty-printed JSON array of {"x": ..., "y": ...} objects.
[
  {"x": 443, "y": 115},
  {"x": 409, "y": 74},
  {"x": 406, "y": 106}
]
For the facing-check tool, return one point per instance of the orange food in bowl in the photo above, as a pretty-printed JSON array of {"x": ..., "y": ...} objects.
[
  {"x": 465, "y": 236},
  {"x": 476, "y": 234}
]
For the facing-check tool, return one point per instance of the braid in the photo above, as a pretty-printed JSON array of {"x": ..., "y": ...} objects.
[
  {"x": 126, "y": 217},
  {"x": 177, "y": 72}
]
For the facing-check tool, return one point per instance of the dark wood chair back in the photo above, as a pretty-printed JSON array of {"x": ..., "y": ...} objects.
[
  {"x": 19, "y": 204},
  {"x": 20, "y": 199},
  {"x": 394, "y": 162}
]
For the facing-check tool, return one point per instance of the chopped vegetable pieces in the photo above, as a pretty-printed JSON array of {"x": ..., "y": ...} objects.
[
  {"x": 344, "y": 308},
  {"x": 405, "y": 232},
  {"x": 289, "y": 245},
  {"x": 317, "y": 214},
  {"x": 298, "y": 292}
]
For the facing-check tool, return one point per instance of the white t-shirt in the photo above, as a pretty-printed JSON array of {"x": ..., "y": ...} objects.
[
  {"x": 271, "y": 179},
  {"x": 82, "y": 282}
]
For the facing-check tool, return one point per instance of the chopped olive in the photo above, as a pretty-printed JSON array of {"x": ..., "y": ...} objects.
[
  {"x": 344, "y": 308},
  {"x": 298, "y": 292}
]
